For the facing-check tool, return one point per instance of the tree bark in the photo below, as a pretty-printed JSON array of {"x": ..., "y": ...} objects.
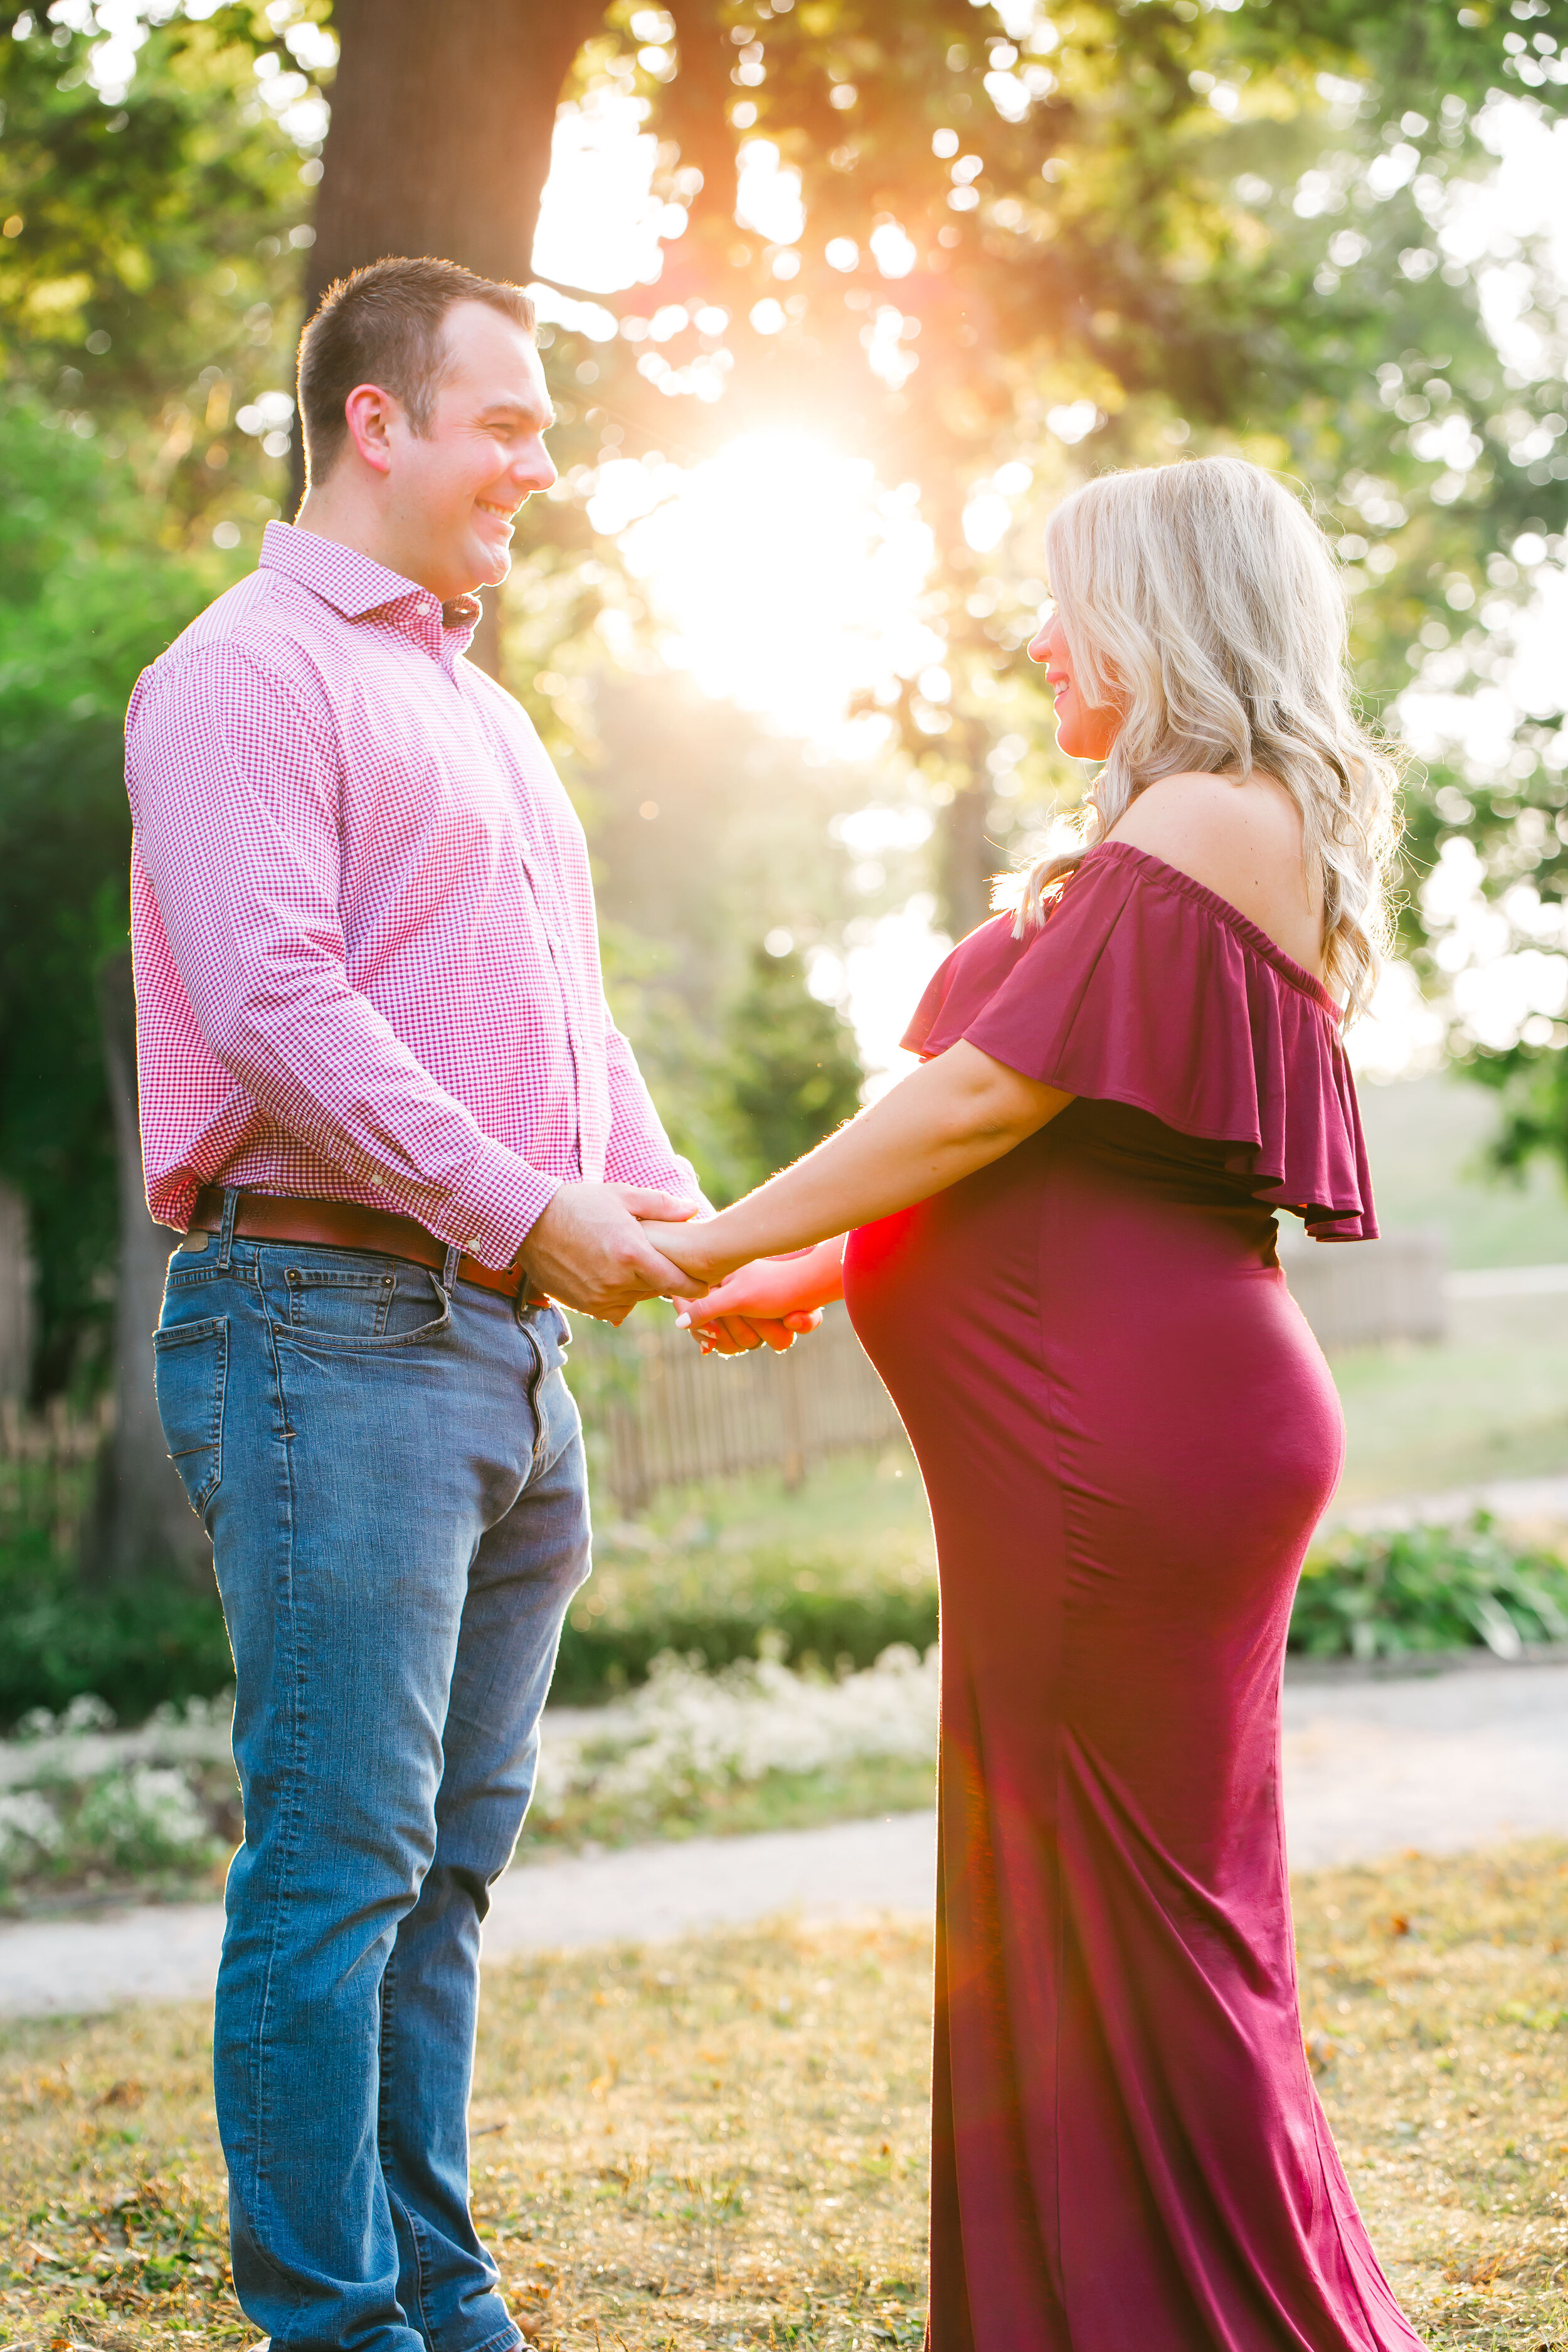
[
  {"x": 141, "y": 1522},
  {"x": 966, "y": 860},
  {"x": 15, "y": 1297},
  {"x": 440, "y": 141},
  {"x": 439, "y": 144}
]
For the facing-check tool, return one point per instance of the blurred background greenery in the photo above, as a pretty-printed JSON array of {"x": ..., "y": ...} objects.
[{"x": 820, "y": 280}]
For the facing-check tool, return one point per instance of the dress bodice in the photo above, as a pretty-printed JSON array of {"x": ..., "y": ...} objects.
[{"x": 1145, "y": 988}]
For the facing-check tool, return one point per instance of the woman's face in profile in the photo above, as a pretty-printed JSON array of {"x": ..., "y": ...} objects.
[{"x": 1084, "y": 732}]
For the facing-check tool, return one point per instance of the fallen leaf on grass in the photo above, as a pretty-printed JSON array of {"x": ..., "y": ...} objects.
[{"x": 1483, "y": 2270}]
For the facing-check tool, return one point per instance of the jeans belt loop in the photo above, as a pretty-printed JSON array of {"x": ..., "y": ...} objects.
[
  {"x": 226, "y": 1231},
  {"x": 449, "y": 1270}
]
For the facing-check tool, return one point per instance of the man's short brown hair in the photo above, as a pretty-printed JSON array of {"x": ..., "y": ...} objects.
[{"x": 382, "y": 325}]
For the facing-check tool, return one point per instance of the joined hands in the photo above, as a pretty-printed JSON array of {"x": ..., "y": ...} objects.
[
  {"x": 763, "y": 1302},
  {"x": 603, "y": 1249}
]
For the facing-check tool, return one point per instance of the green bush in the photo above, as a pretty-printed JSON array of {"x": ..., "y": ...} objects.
[
  {"x": 815, "y": 1600},
  {"x": 603, "y": 1654},
  {"x": 807, "y": 1596},
  {"x": 133, "y": 1646},
  {"x": 1429, "y": 1588}
]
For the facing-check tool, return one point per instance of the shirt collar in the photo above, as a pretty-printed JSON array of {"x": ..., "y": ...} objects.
[{"x": 354, "y": 584}]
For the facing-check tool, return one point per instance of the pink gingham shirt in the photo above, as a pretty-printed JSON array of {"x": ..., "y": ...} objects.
[{"x": 366, "y": 963}]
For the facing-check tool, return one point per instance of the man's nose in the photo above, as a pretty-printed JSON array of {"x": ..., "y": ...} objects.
[{"x": 535, "y": 471}]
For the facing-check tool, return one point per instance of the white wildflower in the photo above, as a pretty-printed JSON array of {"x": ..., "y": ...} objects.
[
  {"x": 687, "y": 1730},
  {"x": 149, "y": 1806},
  {"x": 29, "y": 1826}
]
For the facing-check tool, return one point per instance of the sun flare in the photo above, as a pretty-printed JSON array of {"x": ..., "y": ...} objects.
[{"x": 783, "y": 575}]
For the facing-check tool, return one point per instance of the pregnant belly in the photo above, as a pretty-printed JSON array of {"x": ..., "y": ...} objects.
[
  {"x": 1127, "y": 1433},
  {"x": 1049, "y": 1318}
]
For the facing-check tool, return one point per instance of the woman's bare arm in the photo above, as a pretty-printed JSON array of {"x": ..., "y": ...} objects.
[{"x": 952, "y": 1116}]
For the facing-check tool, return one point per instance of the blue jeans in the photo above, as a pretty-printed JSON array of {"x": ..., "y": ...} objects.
[{"x": 391, "y": 1469}]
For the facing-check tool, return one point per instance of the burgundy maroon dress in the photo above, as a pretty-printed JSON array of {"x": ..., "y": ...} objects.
[{"x": 1128, "y": 1433}]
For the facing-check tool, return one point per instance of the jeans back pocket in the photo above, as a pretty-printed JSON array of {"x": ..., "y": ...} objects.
[{"x": 190, "y": 1376}]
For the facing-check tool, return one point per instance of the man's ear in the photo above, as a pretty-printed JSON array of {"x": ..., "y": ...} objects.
[{"x": 370, "y": 413}]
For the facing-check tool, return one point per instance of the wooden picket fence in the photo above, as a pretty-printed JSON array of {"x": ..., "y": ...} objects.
[
  {"x": 47, "y": 1465},
  {"x": 1357, "y": 1296},
  {"x": 659, "y": 1414},
  {"x": 674, "y": 1415}
]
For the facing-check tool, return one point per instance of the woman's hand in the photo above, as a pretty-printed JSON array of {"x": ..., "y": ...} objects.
[{"x": 774, "y": 1299}]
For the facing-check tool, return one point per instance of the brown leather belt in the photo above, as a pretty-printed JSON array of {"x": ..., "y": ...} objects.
[{"x": 344, "y": 1225}]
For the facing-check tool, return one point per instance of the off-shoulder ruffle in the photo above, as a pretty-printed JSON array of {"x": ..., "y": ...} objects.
[{"x": 1146, "y": 988}]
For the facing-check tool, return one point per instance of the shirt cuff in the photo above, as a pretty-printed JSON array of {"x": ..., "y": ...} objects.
[{"x": 495, "y": 1208}]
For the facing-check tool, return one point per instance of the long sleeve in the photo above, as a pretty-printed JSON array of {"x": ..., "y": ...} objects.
[{"x": 234, "y": 791}]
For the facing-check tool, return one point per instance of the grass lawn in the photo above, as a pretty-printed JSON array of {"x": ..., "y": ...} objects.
[
  {"x": 1491, "y": 1402},
  {"x": 722, "y": 2141},
  {"x": 1426, "y": 1139}
]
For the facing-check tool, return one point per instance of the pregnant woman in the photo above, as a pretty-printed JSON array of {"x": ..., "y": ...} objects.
[{"x": 1061, "y": 1258}]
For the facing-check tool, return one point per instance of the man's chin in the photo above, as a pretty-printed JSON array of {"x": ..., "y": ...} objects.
[{"x": 497, "y": 565}]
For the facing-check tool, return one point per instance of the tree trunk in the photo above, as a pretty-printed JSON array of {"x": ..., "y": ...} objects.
[
  {"x": 140, "y": 1521},
  {"x": 16, "y": 1297},
  {"x": 439, "y": 144},
  {"x": 966, "y": 860},
  {"x": 440, "y": 132}
]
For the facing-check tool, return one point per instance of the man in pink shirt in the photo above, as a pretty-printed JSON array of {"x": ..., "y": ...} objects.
[{"x": 383, "y": 1100}]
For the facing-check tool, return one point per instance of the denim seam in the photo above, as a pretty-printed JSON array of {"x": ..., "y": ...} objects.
[
  {"x": 165, "y": 1341},
  {"x": 512, "y": 2341},
  {"x": 328, "y": 1343},
  {"x": 383, "y": 2140},
  {"x": 295, "y": 1808},
  {"x": 382, "y": 1286},
  {"x": 415, "y": 2228}
]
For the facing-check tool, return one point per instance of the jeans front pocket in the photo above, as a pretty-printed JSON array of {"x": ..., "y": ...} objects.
[
  {"x": 332, "y": 1302},
  {"x": 190, "y": 1376},
  {"x": 338, "y": 1302}
]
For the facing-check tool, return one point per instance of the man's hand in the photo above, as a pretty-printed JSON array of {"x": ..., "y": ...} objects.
[{"x": 588, "y": 1249}]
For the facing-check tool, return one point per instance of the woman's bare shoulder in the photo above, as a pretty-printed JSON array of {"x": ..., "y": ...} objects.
[{"x": 1240, "y": 838}]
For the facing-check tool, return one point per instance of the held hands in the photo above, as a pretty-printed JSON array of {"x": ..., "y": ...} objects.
[
  {"x": 697, "y": 1250},
  {"x": 589, "y": 1250},
  {"x": 757, "y": 1306},
  {"x": 768, "y": 1302},
  {"x": 601, "y": 1248}
]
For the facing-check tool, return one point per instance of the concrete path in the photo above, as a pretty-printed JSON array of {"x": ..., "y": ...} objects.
[
  {"x": 1517, "y": 1499},
  {"x": 1444, "y": 1763}
]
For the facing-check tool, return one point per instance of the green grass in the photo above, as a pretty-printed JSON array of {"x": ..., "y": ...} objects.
[
  {"x": 837, "y": 1568},
  {"x": 1491, "y": 1402},
  {"x": 863, "y": 1789},
  {"x": 1426, "y": 1139}
]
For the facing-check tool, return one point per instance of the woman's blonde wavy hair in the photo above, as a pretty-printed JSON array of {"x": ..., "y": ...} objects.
[{"x": 1202, "y": 601}]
